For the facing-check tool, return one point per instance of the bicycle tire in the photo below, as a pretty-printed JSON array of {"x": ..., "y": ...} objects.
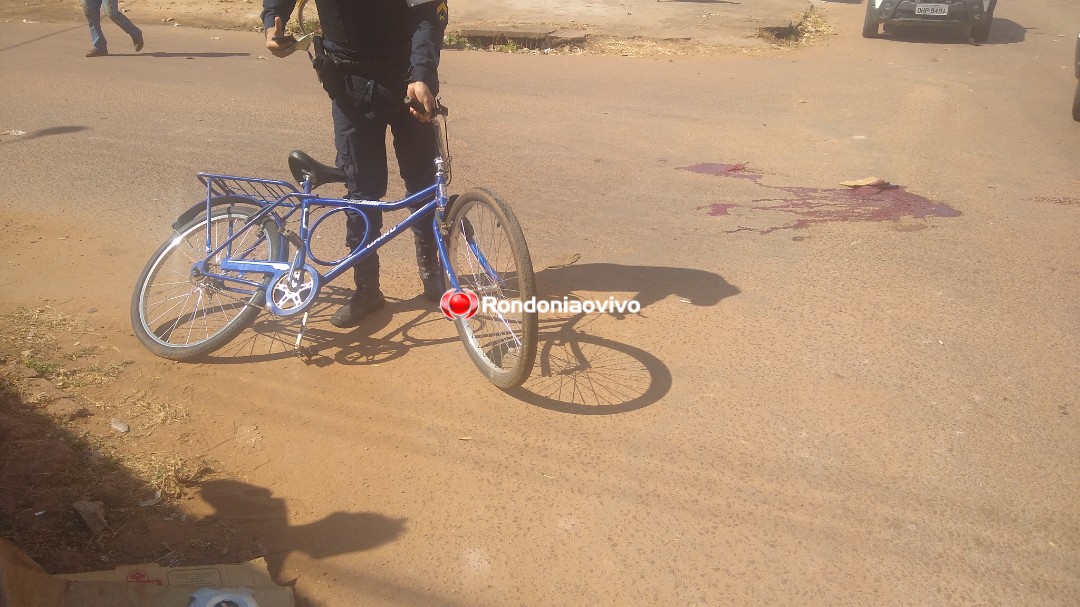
[
  {"x": 503, "y": 347},
  {"x": 166, "y": 283}
]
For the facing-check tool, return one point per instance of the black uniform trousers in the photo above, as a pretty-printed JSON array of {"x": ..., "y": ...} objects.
[{"x": 360, "y": 124}]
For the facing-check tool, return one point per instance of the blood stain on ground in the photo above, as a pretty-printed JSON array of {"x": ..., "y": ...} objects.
[
  {"x": 820, "y": 205},
  {"x": 718, "y": 208}
]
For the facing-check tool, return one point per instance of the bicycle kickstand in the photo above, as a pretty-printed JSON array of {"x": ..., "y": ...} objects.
[{"x": 302, "y": 352}]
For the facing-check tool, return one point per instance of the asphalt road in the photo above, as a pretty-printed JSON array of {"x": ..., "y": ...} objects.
[{"x": 827, "y": 399}]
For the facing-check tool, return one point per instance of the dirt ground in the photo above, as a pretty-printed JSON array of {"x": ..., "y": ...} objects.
[
  {"x": 826, "y": 401},
  {"x": 65, "y": 392},
  {"x": 62, "y": 390},
  {"x": 166, "y": 494},
  {"x": 68, "y": 418},
  {"x": 62, "y": 383}
]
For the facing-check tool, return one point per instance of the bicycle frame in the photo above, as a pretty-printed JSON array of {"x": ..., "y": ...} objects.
[{"x": 293, "y": 201}]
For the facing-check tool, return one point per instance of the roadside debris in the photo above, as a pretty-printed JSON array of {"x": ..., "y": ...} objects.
[
  {"x": 805, "y": 27},
  {"x": 93, "y": 514},
  {"x": 153, "y": 501},
  {"x": 563, "y": 261},
  {"x": 873, "y": 182}
]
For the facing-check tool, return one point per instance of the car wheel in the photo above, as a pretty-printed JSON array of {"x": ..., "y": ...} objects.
[
  {"x": 1076, "y": 103},
  {"x": 870, "y": 24},
  {"x": 981, "y": 32}
]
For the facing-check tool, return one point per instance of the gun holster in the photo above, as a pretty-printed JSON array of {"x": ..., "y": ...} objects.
[{"x": 319, "y": 60}]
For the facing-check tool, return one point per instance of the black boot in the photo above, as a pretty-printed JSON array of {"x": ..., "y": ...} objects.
[
  {"x": 366, "y": 299},
  {"x": 431, "y": 272}
]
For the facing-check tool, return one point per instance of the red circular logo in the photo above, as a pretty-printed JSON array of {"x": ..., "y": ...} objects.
[
  {"x": 137, "y": 575},
  {"x": 459, "y": 304}
]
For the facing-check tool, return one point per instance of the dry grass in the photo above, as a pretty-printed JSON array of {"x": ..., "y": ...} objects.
[
  {"x": 169, "y": 473},
  {"x": 93, "y": 375},
  {"x": 148, "y": 413},
  {"x": 36, "y": 335},
  {"x": 807, "y": 26},
  {"x": 47, "y": 318},
  {"x": 604, "y": 45},
  {"x": 644, "y": 47},
  {"x": 33, "y": 334},
  {"x": 53, "y": 454}
]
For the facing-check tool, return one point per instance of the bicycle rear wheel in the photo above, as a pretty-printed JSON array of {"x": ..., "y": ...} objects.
[
  {"x": 488, "y": 253},
  {"x": 180, "y": 316}
]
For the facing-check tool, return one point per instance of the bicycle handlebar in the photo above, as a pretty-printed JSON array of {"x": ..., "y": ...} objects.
[{"x": 440, "y": 109}]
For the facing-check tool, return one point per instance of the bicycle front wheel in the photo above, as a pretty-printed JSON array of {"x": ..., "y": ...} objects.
[
  {"x": 488, "y": 253},
  {"x": 179, "y": 315}
]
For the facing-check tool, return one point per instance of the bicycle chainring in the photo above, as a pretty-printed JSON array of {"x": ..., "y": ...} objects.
[{"x": 292, "y": 292}]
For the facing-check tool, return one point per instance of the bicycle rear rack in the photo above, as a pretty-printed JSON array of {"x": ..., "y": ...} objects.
[{"x": 265, "y": 190}]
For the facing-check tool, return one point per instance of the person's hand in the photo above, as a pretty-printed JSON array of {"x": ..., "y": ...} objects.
[
  {"x": 277, "y": 42},
  {"x": 419, "y": 92}
]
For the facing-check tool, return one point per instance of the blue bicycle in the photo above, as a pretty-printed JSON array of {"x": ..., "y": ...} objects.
[{"x": 229, "y": 257}]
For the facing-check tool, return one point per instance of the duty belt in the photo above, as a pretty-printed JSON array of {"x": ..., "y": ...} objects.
[{"x": 325, "y": 58}]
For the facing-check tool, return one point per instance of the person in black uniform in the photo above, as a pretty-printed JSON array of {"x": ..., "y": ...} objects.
[{"x": 373, "y": 54}]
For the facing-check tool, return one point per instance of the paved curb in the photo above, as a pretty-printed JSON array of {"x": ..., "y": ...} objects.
[{"x": 532, "y": 22}]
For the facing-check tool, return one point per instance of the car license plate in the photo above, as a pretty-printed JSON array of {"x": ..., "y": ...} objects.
[{"x": 932, "y": 9}]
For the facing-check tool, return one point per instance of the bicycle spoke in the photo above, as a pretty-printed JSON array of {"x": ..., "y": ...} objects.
[
  {"x": 179, "y": 317},
  {"x": 179, "y": 310}
]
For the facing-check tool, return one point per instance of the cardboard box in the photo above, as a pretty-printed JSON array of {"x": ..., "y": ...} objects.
[{"x": 24, "y": 584}]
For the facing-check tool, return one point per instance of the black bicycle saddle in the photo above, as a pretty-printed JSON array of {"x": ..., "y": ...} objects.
[{"x": 301, "y": 164}]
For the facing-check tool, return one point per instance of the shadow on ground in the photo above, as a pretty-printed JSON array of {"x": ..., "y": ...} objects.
[
  {"x": 46, "y": 465},
  {"x": 256, "y": 512},
  {"x": 584, "y": 374},
  {"x": 576, "y": 370},
  {"x": 273, "y": 338},
  {"x": 1002, "y": 31},
  {"x": 7, "y": 138}
]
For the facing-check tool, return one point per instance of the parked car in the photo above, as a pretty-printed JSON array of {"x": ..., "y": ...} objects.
[
  {"x": 971, "y": 17},
  {"x": 1076, "y": 96}
]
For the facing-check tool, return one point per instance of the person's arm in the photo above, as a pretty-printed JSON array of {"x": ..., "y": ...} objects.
[
  {"x": 430, "y": 19},
  {"x": 275, "y": 15}
]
